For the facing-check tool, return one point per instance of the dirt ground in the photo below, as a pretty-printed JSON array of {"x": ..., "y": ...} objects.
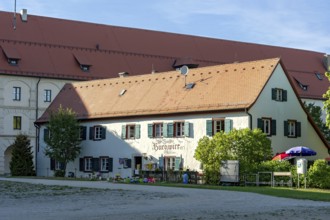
[{"x": 50, "y": 199}]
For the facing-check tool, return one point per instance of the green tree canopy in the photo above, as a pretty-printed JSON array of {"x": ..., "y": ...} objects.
[
  {"x": 21, "y": 163},
  {"x": 249, "y": 147},
  {"x": 316, "y": 113},
  {"x": 63, "y": 139},
  {"x": 326, "y": 103}
]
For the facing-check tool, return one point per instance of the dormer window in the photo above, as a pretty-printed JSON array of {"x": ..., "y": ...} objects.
[
  {"x": 302, "y": 86},
  {"x": 83, "y": 62},
  {"x": 11, "y": 54},
  {"x": 319, "y": 76},
  {"x": 12, "y": 61}
]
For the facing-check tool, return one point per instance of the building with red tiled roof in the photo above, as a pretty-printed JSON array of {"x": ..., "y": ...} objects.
[
  {"x": 42, "y": 54},
  {"x": 126, "y": 121}
]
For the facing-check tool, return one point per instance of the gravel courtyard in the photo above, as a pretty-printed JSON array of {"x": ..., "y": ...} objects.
[{"x": 52, "y": 199}]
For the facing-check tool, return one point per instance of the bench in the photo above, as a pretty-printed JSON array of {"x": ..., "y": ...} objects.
[{"x": 282, "y": 182}]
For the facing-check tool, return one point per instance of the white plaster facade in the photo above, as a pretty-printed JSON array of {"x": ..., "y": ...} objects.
[
  {"x": 28, "y": 107},
  {"x": 156, "y": 149}
]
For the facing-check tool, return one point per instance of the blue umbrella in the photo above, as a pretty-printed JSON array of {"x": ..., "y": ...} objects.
[{"x": 300, "y": 151}]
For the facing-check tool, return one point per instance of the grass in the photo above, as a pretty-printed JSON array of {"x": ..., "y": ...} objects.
[{"x": 285, "y": 192}]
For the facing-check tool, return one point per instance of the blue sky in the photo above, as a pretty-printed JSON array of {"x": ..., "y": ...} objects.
[{"x": 302, "y": 24}]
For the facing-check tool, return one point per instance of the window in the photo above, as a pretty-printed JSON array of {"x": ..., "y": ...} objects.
[
  {"x": 319, "y": 76},
  {"x": 292, "y": 128},
  {"x": 217, "y": 125},
  {"x": 82, "y": 132},
  {"x": 88, "y": 164},
  {"x": 279, "y": 95},
  {"x": 85, "y": 68},
  {"x": 179, "y": 129},
  {"x": 16, "y": 93},
  {"x": 267, "y": 125},
  {"x": 48, "y": 95},
  {"x": 173, "y": 163},
  {"x": 56, "y": 165},
  {"x": 104, "y": 164},
  {"x": 155, "y": 130},
  {"x": 97, "y": 133},
  {"x": 17, "y": 122},
  {"x": 130, "y": 131},
  {"x": 12, "y": 61}
]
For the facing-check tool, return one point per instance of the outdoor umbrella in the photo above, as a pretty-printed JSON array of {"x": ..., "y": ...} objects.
[
  {"x": 300, "y": 151},
  {"x": 282, "y": 156}
]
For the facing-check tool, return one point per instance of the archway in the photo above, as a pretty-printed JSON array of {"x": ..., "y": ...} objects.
[{"x": 7, "y": 156}]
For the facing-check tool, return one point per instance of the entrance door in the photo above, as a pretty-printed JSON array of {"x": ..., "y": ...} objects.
[{"x": 137, "y": 164}]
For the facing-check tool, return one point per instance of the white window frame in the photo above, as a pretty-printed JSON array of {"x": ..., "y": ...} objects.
[
  {"x": 88, "y": 164},
  {"x": 57, "y": 165},
  {"x": 267, "y": 125},
  {"x": 130, "y": 131},
  {"x": 158, "y": 130},
  {"x": 170, "y": 163},
  {"x": 179, "y": 129},
  {"x": 218, "y": 124},
  {"x": 291, "y": 129},
  {"x": 47, "y": 95},
  {"x": 17, "y": 93},
  {"x": 279, "y": 95},
  {"x": 104, "y": 161},
  {"x": 97, "y": 133}
]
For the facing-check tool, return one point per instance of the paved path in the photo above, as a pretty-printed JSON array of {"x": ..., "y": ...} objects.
[{"x": 135, "y": 201}]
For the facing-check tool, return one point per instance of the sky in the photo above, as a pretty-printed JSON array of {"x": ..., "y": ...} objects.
[{"x": 301, "y": 24}]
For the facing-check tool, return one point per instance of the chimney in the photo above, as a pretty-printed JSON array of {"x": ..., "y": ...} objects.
[
  {"x": 24, "y": 15},
  {"x": 123, "y": 74}
]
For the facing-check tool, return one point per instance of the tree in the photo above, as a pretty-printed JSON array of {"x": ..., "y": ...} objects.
[
  {"x": 249, "y": 147},
  {"x": 316, "y": 113},
  {"x": 21, "y": 163},
  {"x": 63, "y": 139},
  {"x": 326, "y": 103}
]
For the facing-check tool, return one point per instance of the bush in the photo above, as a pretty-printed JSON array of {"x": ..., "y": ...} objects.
[
  {"x": 59, "y": 173},
  {"x": 319, "y": 175}
]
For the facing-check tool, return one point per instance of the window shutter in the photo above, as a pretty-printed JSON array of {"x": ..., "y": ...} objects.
[
  {"x": 150, "y": 130},
  {"x": 83, "y": 132},
  {"x": 103, "y": 132},
  {"x": 91, "y": 133},
  {"x": 129, "y": 163},
  {"x": 95, "y": 164},
  {"x": 186, "y": 129},
  {"x": 273, "y": 94},
  {"x": 81, "y": 164},
  {"x": 261, "y": 124},
  {"x": 228, "y": 125},
  {"x": 298, "y": 129},
  {"x": 52, "y": 164},
  {"x": 161, "y": 162},
  {"x": 110, "y": 164},
  {"x": 137, "y": 131},
  {"x": 209, "y": 126},
  {"x": 177, "y": 163},
  {"x": 170, "y": 129},
  {"x": 273, "y": 128},
  {"x": 284, "y": 95},
  {"x": 286, "y": 130},
  {"x": 165, "y": 130},
  {"x": 123, "y": 131},
  {"x": 46, "y": 134}
]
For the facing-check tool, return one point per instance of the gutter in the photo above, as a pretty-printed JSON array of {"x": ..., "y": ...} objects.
[
  {"x": 250, "y": 116},
  {"x": 36, "y": 126}
]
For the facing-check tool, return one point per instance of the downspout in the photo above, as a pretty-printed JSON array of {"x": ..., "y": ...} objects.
[
  {"x": 37, "y": 126},
  {"x": 250, "y": 118}
]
